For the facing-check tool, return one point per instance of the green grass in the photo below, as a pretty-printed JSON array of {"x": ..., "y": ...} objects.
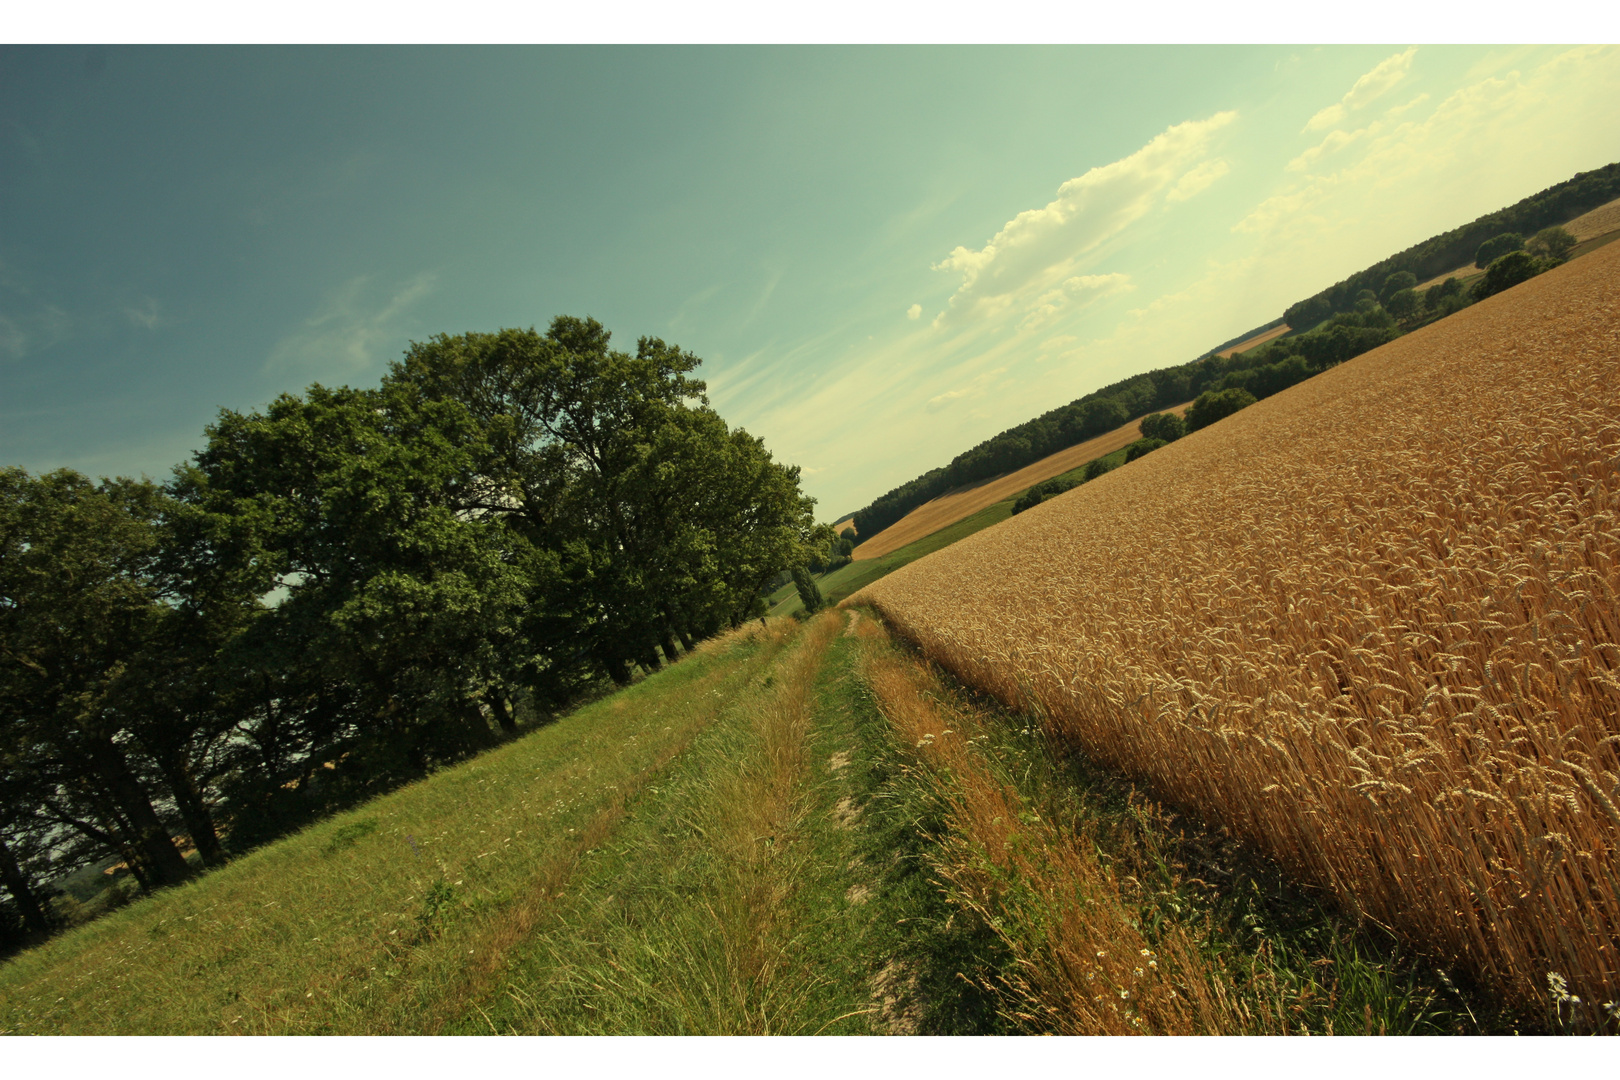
[
  {"x": 848, "y": 580},
  {"x": 368, "y": 922}
]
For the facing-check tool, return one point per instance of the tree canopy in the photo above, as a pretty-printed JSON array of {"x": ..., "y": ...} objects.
[{"x": 349, "y": 587}]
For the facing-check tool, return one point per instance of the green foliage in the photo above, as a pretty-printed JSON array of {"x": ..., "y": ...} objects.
[
  {"x": 1404, "y": 303},
  {"x": 1496, "y": 247},
  {"x": 809, "y": 592},
  {"x": 1435, "y": 294},
  {"x": 1096, "y": 468},
  {"x": 1553, "y": 243},
  {"x": 1039, "y": 493},
  {"x": 1438, "y": 254},
  {"x": 1142, "y": 447},
  {"x": 1213, "y": 405},
  {"x": 1399, "y": 281},
  {"x": 1166, "y": 427},
  {"x": 1507, "y": 271}
]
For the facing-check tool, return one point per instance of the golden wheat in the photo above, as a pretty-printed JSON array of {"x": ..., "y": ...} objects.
[{"x": 1370, "y": 623}]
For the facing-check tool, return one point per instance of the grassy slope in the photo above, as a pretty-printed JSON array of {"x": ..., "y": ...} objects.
[{"x": 754, "y": 840}]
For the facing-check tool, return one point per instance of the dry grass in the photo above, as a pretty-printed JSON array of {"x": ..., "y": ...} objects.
[
  {"x": 1082, "y": 964},
  {"x": 952, "y": 507},
  {"x": 1593, "y": 223},
  {"x": 1371, "y": 623},
  {"x": 1256, "y": 341}
]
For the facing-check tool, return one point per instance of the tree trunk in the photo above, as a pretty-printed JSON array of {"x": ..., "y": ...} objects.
[
  {"x": 686, "y": 639},
  {"x": 503, "y": 716},
  {"x": 33, "y": 912},
  {"x": 153, "y": 839},
  {"x": 618, "y": 670},
  {"x": 649, "y": 658},
  {"x": 479, "y": 737},
  {"x": 194, "y": 809},
  {"x": 668, "y": 645}
]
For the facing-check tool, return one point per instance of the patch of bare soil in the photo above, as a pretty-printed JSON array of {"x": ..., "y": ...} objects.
[{"x": 894, "y": 989}]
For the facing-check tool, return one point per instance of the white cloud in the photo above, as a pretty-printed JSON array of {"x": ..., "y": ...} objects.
[
  {"x": 145, "y": 315},
  {"x": 1084, "y": 288},
  {"x": 1369, "y": 88},
  {"x": 1197, "y": 179},
  {"x": 1041, "y": 249},
  {"x": 1486, "y": 130},
  {"x": 976, "y": 388},
  {"x": 914, "y": 311},
  {"x": 343, "y": 337}
]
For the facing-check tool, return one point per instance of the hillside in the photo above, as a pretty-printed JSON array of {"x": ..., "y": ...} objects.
[
  {"x": 1584, "y": 204},
  {"x": 955, "y": 506},
  {"x": 795, "y": 830},
  {"x": 1366, "y": 623}
]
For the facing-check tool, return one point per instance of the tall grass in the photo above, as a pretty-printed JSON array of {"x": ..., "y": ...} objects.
[{"x": 1372, "y": 624}]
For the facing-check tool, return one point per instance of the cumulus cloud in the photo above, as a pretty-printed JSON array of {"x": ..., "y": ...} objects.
[
  {"x": 1040, "y": 250},
  {"x": 342, "y": 338},
  {"x": 1369, "y": 88},
  {"x": 914, "y": 311}
]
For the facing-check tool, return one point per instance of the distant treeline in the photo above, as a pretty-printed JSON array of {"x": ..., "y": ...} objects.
[
  {"x": 1449, "y": 250},
  {"x": 1261, "y": 372},
  {"x": 354, "y": 587}
]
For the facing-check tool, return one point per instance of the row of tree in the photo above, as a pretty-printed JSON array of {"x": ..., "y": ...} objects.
[
  {"x": 1361, "y": 312},
  {"x": 1449, "y": 250},
  {"x": 352, "y": 587}
]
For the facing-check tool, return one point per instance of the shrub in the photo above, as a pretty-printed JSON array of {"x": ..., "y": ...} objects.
[
  {"x": 1399, "y": 281},
  {"x": 1552, "y": 243},
  {"x": 1436, "y": 293},
  {"x": 1213, "y": 405},
  {"x": 1403, "y": 304},
  {"x": 809, "y": 591},
  {"x": 1096, "y": 468},
  {"x": 1166, "y": 427},
  {"x": 1506, "y": 272},
  {"x": 1142, "y": 446},
  {"x": 1496, "y": 247}
]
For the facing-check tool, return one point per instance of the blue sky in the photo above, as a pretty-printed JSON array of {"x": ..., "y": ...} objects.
[{"x": 884, "y": 255}]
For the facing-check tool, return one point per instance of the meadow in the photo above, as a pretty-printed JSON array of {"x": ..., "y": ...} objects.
[{"x": 1381, "y": 649}]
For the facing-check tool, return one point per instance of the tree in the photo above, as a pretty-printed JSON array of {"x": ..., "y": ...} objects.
[
  {"x": 1213, "y": 405},
  {"x": 1554, "y": 243},
  {"x": 1394, "y": 283},
  {"x": 1403, "y": 303},
  {"x": 1142, "y": 447},
  {"x": 1436, "y": 293},
  {"x": 1496, "y": 247},
  {"x": 809, "y": 591},
  {"x": 1167, "y": 427},
  {"x": 1097, "y": 466},
  {"x": 1509, "y": 270},
  {"x": 79, "y": 602}
]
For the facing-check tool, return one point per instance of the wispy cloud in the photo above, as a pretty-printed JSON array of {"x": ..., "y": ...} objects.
[
  {"x": 343, "y": 338},
  {"x": 1369, "y": 88},
  {"x": 1041, "y": 249},
  {"x": 145, "y": 314}
]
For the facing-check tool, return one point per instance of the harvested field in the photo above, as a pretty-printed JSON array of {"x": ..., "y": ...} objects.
[
  {"x": 953, "y": 506},
  {"x": 1371, "y": 623},
  {"x": 1256, "y": 341},
  {"x": 1605, "y": 219}
]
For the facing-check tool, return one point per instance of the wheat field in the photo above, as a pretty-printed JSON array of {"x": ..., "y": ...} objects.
[{"x": 1370, "y": 624}]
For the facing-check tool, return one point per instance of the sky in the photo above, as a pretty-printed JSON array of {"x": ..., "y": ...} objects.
[{"x": 883, "y": 255}]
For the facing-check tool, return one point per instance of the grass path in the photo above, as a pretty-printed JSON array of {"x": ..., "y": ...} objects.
[{"x": 799, "y": 830}]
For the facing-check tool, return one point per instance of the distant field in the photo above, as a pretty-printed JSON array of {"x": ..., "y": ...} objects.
[
  {"x": 1256, "y": 341},
  {"x": 1367, "y": 623},
  {"x": 1594, "y": 223},
  {"x": 931, "y": 517}
]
